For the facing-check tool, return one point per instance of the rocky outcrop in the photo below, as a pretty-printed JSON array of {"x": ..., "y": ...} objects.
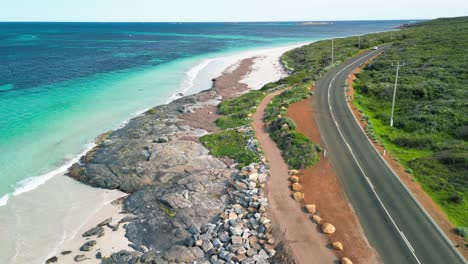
[
  {"x": 184, "y": 205},
  {"x": 345, "y": 260}
]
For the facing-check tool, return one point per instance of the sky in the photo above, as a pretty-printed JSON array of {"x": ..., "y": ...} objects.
[{"x": 227, "y": 10}]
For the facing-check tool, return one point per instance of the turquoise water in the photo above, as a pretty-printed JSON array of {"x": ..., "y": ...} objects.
[{"x": 49, "y": 125}]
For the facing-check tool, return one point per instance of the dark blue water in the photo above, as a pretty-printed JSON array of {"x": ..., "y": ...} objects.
[{"x": 34, "y": 54}]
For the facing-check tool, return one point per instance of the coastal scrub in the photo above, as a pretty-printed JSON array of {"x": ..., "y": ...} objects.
[
  {"x": 232, "y": 144},
  {"x": 297, "y": 149}
]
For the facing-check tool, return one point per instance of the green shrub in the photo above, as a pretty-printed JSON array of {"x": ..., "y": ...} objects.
[
  {"x": 236, "y": 111},
  {"x": 231, "y": 144},
  {"x": 297, "y": 149},
  {"x": 461, "y": 231},
  {"x": 413, "y": 141}
]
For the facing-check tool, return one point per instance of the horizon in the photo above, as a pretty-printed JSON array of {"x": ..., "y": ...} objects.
[
  {"x": 179, "y": 11},
  {"x": 234, "y": 22}
]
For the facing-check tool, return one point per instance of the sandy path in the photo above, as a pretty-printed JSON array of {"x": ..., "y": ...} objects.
[{"x": 308, "y": 246}]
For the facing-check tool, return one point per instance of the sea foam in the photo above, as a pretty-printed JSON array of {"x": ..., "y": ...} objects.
[
  {"x": 4, "y": 199},
  {"x": 32, "y": 183}
]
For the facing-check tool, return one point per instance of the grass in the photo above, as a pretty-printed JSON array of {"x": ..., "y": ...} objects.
[
  {"x": 231, "y": 144},
  {"x": 237, "y": 111}
]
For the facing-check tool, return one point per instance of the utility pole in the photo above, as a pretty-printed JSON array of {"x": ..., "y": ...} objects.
[
  {"x": 394, "y": 91},
  {"x": 332, "y": 53},
  {"x": 359, "y": 42}
]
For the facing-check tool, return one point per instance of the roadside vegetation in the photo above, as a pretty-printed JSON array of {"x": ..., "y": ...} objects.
[
  {"x": 431, "y": 121},
  {"x": 297, "y": 149}
]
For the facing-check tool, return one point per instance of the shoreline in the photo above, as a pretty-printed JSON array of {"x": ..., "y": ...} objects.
[
  {"x": 32, "y": 183},
  {"x": 246, "y": 73}
]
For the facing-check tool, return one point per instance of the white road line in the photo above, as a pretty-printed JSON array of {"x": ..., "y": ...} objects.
[{"x": 407, "y": 243}]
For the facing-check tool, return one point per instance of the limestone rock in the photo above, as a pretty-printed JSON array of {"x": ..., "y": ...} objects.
[
  {"x": 95, "y": 231},
  {"x": 293, "y": 172},
  {"x": 328, "y": 228},
  {"x": 311, "y": 208},
  {"x": 317, "y": 219},
  {"x": 294, "y": 179},
  {"x": 298, "y": 196},
  {"x": 105, "y": 222},
  {"x": 345, "y": 260},
  {"x": 53, "y": 259},
  {"x": 236, "y": 240},
  {"x": 179, "y": 254},
  {"x": 296, "y": 187},
  {"x": 88, "y": 245},
  {"x": 337, "y": 245},
  {"x": 79, "y": 258}
]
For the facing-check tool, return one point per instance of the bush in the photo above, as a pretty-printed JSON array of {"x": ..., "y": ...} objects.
[
  {"x": 456, "y": 198},
  {"x": 414, "y": 141},
  {"x": 461, "y": 231},
  {"x": 462, "y": 132},
  {"x": 231, "y": 121},
  {"x": 298, "y": 150},
  {"x": 231, "y": 144},
  {"x": 236, "y": 111}
]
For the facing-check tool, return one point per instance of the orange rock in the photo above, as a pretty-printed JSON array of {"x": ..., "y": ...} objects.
[
  {"x": 294, "y": 179},
  {"x": 298, "y": 196},
  {"x": 311, "y": 209},
  {"x": 296, "y": 187},
  {"x": 337, "y": 245},
  {"x": 328, "y": 228},
  {"x": 317, "y": 219},
  {"x": 346, "y": 261}
]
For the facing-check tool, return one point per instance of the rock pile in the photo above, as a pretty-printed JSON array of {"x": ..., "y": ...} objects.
[{"x": 242, "y": 233}]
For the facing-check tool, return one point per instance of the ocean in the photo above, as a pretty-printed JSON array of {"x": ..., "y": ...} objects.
[{"x": 63, "y": 84}]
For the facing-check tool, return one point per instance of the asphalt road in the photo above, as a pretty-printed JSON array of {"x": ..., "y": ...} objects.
[{"x": 393, "y": 222}]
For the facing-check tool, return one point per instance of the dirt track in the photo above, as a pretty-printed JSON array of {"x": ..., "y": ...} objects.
[{"x": 306, "y": 243}]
